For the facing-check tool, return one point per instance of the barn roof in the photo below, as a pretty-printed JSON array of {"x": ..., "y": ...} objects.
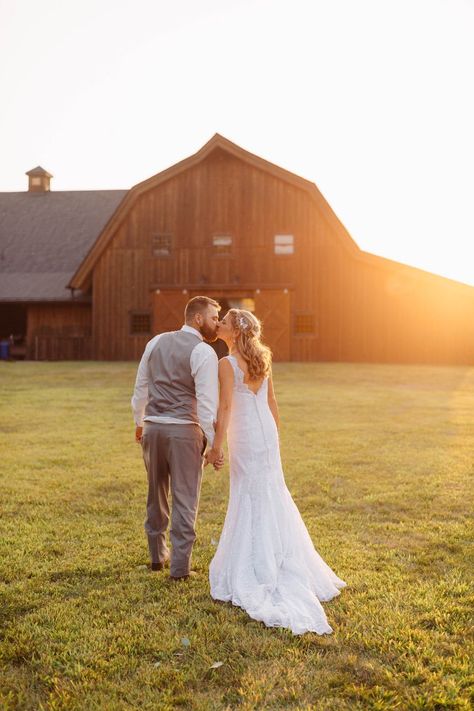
[
  {"x": 50, "y": 241},
  {"x": 44, "y": 237},
  {"x": 83, "y": 275}
]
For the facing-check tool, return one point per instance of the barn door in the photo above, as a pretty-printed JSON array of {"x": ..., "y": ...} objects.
[
  {"x": 168, "y": 310},
  {"x": 273, "y": 308}
]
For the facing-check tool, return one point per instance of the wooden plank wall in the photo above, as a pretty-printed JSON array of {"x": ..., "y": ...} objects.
[
  {"x": 393, "y": 314},
  {"x": 59, "y": 322},
  {"x": 61, "y": 347},
  {"x": 220, "y": 196}
]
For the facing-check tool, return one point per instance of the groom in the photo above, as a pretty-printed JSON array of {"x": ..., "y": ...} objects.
[{"x": 175, "y": 406}]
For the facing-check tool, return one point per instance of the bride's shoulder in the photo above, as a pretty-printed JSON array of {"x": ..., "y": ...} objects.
[
  {"x": 226, "y": 369},
  {"x": 226, "y": 363}
]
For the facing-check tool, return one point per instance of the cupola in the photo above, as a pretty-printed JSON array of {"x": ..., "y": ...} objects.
[{"x": 38, "y": 180}]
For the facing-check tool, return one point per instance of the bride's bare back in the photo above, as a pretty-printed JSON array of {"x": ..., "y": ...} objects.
[{"x": 253, "y": 385}]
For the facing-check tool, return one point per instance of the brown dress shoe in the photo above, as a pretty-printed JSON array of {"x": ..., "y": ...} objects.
[
  {"x": 159, "y": 566},
  {"x": 191, "y": 574}
]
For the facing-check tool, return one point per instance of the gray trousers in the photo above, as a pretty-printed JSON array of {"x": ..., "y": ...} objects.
[{"x": 172, "y": 455}]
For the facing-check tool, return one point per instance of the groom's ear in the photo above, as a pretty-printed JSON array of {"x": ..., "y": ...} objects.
[{"x": 199, "y": 319}]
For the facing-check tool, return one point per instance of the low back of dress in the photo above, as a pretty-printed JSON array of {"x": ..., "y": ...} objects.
[{"x": 252, "y": 433}]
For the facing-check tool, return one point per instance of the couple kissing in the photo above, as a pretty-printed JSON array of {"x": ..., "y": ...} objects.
[{"x": 185, "y": 404}]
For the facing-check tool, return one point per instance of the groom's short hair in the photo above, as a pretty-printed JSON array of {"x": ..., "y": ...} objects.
[{"x": 199, "y": 305}]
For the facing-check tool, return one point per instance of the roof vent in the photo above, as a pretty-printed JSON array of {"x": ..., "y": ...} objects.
[{"x": 38, "y": 180}]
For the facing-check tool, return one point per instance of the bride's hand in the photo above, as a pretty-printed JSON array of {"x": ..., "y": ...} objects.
[
  {"x": 215, "y": 457},
  {"x": 219, "y": 463}
]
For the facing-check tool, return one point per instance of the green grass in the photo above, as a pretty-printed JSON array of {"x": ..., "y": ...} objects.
[{"x": 379, "y": 460}]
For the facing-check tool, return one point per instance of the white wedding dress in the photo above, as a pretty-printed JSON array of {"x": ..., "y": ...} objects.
[{"x": 265, "y": 561}]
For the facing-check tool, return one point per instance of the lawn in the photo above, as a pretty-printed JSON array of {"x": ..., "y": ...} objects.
[{"x": 379, "y": 460}]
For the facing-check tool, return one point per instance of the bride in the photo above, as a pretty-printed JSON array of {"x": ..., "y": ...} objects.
[{"x": 265, "y": 561}]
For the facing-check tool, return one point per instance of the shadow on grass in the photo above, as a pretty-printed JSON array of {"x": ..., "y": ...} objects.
[{"x": 80, "y": 576}]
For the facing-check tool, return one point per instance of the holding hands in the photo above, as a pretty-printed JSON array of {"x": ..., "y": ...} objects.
[{"x": 215, "y": 457}]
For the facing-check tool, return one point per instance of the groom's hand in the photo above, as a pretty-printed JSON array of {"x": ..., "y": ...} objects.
[
  {"x": 138, "y": 434},
  {"x": 215, "y": 457}
]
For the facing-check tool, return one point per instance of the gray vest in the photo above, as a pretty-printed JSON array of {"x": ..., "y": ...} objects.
[{"x": 171, "y": 389}]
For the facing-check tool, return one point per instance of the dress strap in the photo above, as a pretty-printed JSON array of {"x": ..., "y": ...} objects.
[
  {"x": 233, "y": 361},
  {"x": 238, "y": 372}
]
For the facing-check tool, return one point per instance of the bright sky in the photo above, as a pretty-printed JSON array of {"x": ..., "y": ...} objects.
[{"x": 372, "y": 100}]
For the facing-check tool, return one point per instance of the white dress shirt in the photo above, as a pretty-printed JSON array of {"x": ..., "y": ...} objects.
[{"x": 203, "y": 362}]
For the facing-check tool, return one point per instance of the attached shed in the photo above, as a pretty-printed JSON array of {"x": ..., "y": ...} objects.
[{"x": 44, "y": 236}]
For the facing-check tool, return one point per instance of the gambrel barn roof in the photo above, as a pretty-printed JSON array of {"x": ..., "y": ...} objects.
[
  {"x": 51, "y": 241},
  {"x": 82, "y": 277},
  {"x": 45, "y": 236}
]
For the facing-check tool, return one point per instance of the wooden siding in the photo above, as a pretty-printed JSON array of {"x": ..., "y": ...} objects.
[
  {"x": 364, "y": 308},
  {"x": 61, "y": 348},
  {"x": 59, "y": 332}
]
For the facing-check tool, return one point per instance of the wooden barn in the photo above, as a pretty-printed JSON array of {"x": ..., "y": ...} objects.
[{"x": 230, "y": 225}]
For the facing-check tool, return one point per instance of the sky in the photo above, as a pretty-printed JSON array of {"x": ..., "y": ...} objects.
[{"x": 372, "y": 100}]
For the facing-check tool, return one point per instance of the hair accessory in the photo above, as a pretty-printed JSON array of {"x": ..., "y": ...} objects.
[{"x": 243, "y": 324}]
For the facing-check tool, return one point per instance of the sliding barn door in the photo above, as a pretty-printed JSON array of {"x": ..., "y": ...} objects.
[
  {"x": 273, "y": 308},
  {"x": 168, "y": 310}
]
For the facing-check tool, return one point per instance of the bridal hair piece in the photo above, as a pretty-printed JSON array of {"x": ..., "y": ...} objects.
[
  {"x": 248, "y": 341},
  {"x": 242, "y": 323}
]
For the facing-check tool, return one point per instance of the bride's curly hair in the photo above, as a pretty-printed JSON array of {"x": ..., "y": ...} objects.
[{"x": 257, "y": 355}]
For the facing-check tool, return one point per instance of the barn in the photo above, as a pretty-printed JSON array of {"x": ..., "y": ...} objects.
[{"x": 99, "y": 272}]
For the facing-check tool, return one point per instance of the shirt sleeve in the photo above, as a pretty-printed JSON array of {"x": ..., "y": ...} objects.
[
  {"x": 205, "y": 373},
  {"x": 140, "y": 393}
]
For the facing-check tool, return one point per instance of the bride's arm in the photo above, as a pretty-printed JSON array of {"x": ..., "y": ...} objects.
[
  {"x": 272, "y": 403},
  {"x": 226, "y": 387}
]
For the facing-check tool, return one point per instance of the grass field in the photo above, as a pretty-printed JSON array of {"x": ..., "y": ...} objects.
[{"x": 379, "y": 460}]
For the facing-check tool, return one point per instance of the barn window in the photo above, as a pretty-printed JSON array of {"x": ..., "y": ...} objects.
[
  {"x": 246, "y": 303},
  {"x": 284, "y": 244},
  {"x": 140, "y": 323},
  {"x": 222, "y": 244},
  {"x": 162, "y": 244},
  {"x": 304, "y": 324}
]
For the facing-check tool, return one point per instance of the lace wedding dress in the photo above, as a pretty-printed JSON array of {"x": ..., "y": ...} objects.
[{"x": 265, "y": 561}]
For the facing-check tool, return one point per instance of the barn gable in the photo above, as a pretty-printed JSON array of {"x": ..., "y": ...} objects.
[{"x": 82, "y": 277}]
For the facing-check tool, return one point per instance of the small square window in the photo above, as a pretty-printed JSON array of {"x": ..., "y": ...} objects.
[
  {"x": 162, "y": 245},
  {"x": 140, "y": 323},
  {"x": 304, "y": 323},
  {"x": 284, "y": 244},
  {"x": 222, "y": 244}
]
